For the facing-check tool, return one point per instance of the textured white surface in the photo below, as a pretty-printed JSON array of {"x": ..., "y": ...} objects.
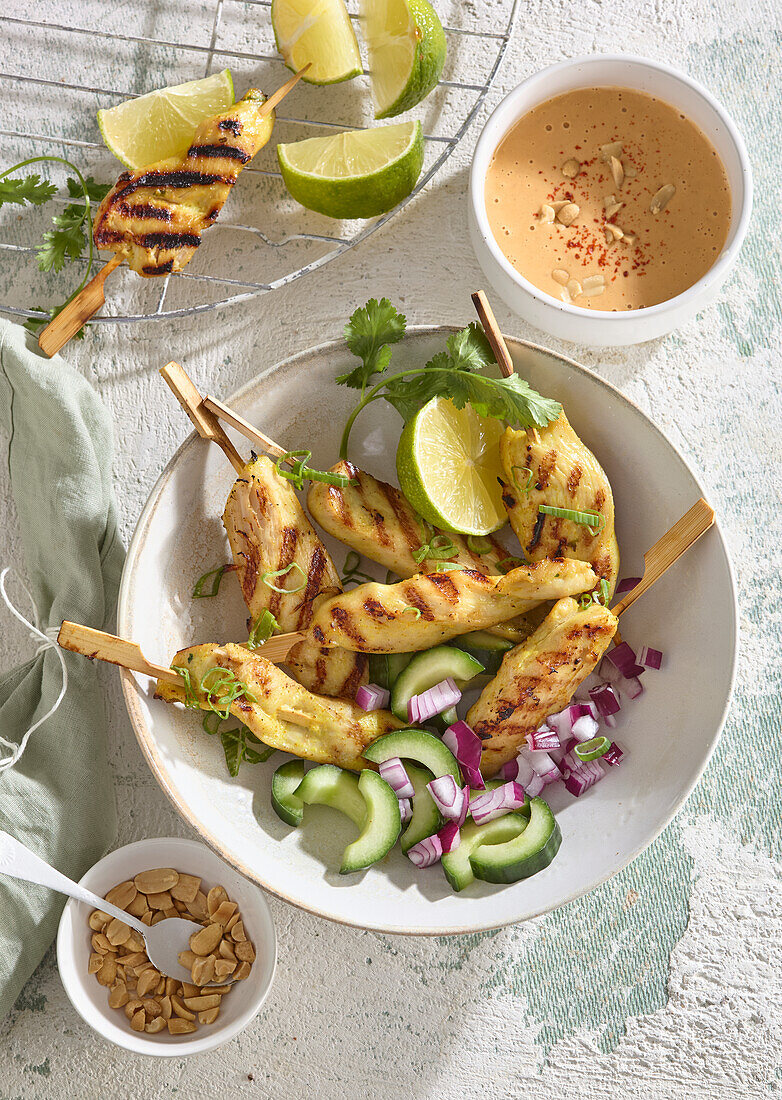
[{"x": 358, "y": 1015}]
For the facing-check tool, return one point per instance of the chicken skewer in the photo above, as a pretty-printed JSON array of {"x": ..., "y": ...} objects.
[
  {"x": 540, "y": 676},
  {"x": 279, "y": 711},
  {"x": 154, "y": 217},
  {"x": 269, "y": 533}
]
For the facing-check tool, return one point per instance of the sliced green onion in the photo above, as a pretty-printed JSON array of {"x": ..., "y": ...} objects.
[
  {"x": 506, "y": 564},
  {"x": 438, "y": 547},
  {"x": 605, "y": 588},
  {"x": 585, "y": 600},
  {"x": 523, "y": 470},
  {"x": 212, "y": 723},
  {"x": 272, "y": 573},
  {"x": 447, "y": 566},
  {"x": 262, "y": 629},
  {"x": 593, "y": 520},
  {"x": 224, "y": 689},
  {"x": 191, "y": 699},
  {"x": 479, "y": 546},
  {"x": 352, "y": 574},
  {"x": 198, "y": 591},
  {"x": 421, "y": 553},
  {"x": 409, "y": 607},
  {"x": 588, "y": 598},
  {"x": 592, "y": 750},
  {"x": 301, "y": 472}
]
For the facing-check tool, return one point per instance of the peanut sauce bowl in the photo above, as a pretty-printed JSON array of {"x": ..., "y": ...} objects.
[
  {"x": 568, "y": 321},
  {"x": 668, "y": 734}
]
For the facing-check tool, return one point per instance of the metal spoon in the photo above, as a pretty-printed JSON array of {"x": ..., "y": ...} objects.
[{"x": 163, "y": 940}]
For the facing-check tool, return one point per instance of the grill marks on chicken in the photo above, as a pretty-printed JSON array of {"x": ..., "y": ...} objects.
[
  {"x": 538, "y": 678},
  {"x": 268, "y": 530},
  {"x": 154, "y": 217},
  {"x": 375, "y": 519},
  {"x": 565, "y": 474},
  {"x": 279, "y": 711},
  {"x": 381, "y": 618}
]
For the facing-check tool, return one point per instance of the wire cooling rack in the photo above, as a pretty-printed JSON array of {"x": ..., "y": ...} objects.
[{"x": 57, "y": 73}]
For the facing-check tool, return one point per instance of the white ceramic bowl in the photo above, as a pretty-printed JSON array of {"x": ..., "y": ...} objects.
[
  {"x": 89, "y": 998},
  {"x": 669, "y": 733},
  {"x": 570, "y": 322}
]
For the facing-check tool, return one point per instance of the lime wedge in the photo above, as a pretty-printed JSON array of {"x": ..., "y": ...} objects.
[
  {"x": 448, "y": 462},
  {"x": 319, "y": 32},
  {"x": 406, "y": 52},
  {"x": 356, "y": 173},
  {"x": 161, "y": 124}
]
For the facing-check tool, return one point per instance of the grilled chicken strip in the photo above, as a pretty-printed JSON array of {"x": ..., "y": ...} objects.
[
  {"x": 280, "y": 712},
  {"x": 154, "y": 217},
  {"x": 565, "y": 474},
  {"x": 427, "y": 609},
  {"x": 378, "y": 521},
  {"x": 268, "y": 530},
  {"x": 538, "y": 678}
]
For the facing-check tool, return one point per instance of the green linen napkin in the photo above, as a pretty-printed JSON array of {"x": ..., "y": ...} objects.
[{"x": 57, "y": 798}]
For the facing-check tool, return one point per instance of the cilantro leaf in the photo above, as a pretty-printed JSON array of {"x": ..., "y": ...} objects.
[
  {"x": 96, "y": 192},
  {"x": 66, "y": 241},
  {"x": 26, "y": 189},
  {"x": 35, "y": 324},
  {"x": 368, "y": 334},
  {"x": 468, "y": 349}
]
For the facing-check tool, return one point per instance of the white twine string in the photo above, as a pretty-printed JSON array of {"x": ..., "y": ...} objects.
[{"x": 48, "y": 641}]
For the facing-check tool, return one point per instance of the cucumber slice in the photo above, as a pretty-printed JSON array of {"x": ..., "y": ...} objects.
[
  {"x": 457, "y": 865},
  {"x": 429, "y": 668},
  {"x": 483, "y": 639},
  {"x": 396, "y": 663},
  {"x": 367, "y": 800},
  {"x": 524, "y": 855},
  {"x": 285, "y": 803},
  {"x": 426, "y": 818},
  {"x": 418, "y": 745},
  {"x": 378, "y": 670},
  {"x": 382, "y": 824}
]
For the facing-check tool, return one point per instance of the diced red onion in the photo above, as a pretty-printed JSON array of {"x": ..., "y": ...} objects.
[
  {"x": 543, "y": 740},
  {"x": 562, "y": 722},
  {"x": 614, "y": 756},
  {"x": 426, "y": 852},
  {"x": 372, "y": 697},
  {"x": 449, "y": 837},
  {"x": 448, "y": 797},
  {"x": 518, "y": 769},
  {"x": 460, "y": 820},
  {"x": 607, "y": 672},
  {"x": 540, "y": 762},
  {"x": 405, "y": 809},
  {"x": 604, "y": 698},
  {"x": 626, "y": 585},
  {"x": 610, "y": 721},
  {"x": 535, "y": 786},
  {"x": 650, "y": 658},
  {"x": 412, "y": 710},
  {"x": 435, "y": 700},
  {"x": 510, "y": 796},
  {"x": 582, "y": 710},
  {"x": 393, "y": 771},
  {"x": 585, "y": 728},
  {"x": 623, "y": 658},
  {"x": 466, "y": 746},
  {"x": 551, "y": 777},
  {"x": 579, "y": 775},
  {"x": 630, "y": 686}
]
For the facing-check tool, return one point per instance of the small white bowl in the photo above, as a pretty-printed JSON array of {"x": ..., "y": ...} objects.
[
  {"x": 89, "y": 998},
  {"x": 569, "y": 322}
]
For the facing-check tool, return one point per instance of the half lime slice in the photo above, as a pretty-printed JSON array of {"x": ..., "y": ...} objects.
[
  {"x": 161, "y": 124},
  {"x": 406, "y": 52},
  {"x": 356, "y": 173},
  {"x": 318, "y": 32},
  {"x": 448, "y": 462}
]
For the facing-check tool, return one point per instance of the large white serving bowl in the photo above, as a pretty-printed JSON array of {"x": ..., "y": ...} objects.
[
  {"x": 669, "y": 733},
  {"x": 590, "y": 326}
]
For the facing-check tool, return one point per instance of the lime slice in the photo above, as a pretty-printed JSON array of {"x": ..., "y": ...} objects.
[
  {"x": 448, "y": 462},
  {"x": 161, "y": 124},
  {"x": 356, "y": 173},
  {"x": 319, "y": 32},
  {"x": 406, "y": 52}
]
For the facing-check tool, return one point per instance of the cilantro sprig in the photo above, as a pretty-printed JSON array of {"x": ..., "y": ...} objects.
[
  {"x": 70, "y": 233},
  {"x": 455, "y": 373}
]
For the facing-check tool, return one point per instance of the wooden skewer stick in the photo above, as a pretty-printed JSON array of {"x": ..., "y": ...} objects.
[
  {"x": 85, "y": 305},
  {"x": 493, "y": 334},
  {"x": 205, "y": 422},
  {"x": 669, "y": 549},
  {"x": 107, "y": 647},
  {"x": 244, "y": 426}
]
